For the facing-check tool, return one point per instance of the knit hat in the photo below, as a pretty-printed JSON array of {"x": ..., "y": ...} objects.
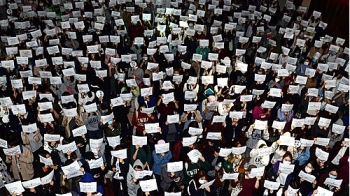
[
  {"x": 161, "y": 142},
  {"x": 211, "y": 98}
]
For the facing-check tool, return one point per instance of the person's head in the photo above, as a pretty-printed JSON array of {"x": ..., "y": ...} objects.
[
  {"x": 333, "y": 173},
  {"x": 247, "y": 172},
  {"x": 293, "y": 188},
  {"x": 145, "y": 57},
  {"x": 332, "y": 52},
  {"x": 89, "y": 156},
  {"x": 104, "y": 108},
  {"x": 200, "y": 178},
  {"x": 216, "y": 150},
  {"x": 142, "y": 105},
  {"x": 310, "y": 167},
  {"x": 12, "y": 142},
  {"x": 287, "y": 158},
  {"x": 173, "y": 188},
  {"x": 307, "y": 61},
  {"x": 237, "y": 144},
  {"x": 63, "y": 190},
  {"x": 320, "y": 162},
  {"x": 177, "y": 72},
  {"x": 138, "y": 168}
]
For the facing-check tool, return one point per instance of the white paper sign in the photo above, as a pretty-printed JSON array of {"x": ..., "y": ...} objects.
[
  {"x": 122, "y": 154},
  {"x": 286, "y": 168},
  {"x": 71, "y": 147},
  {"x": 148, "y": 185},
  {"x": 139, "y": 140},
  {"x": 161, "y": 148},
  {"x": 88, "y": 187},
  {"x": 307, "y": 177},
  {"x": 15, "y": 187},
  {"x": 213, "y": 135},
  {"x": 333, "y": 182},
  {"x": 72, "y": 170},
  {"x": 186, "y": 141},
  {"x": 79, "y": 131},
  {"x": 12, "y": 151},
  {"x": 46, "y": 161},
  {"x": 31, "y": 183},
  {"x": 96, "y": 163},
  {"x": 270, "y": 185},
  {"x": 321, "y": 154},
  {"x": 175, "y": 166}
]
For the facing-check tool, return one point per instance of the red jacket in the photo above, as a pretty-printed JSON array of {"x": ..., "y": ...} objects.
[
  {"x": 135, "y": 31},
  {"x": 139, "y": 120}
]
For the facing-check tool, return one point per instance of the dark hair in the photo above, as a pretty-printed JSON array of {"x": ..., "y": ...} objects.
[
  {"x": 196, "y": 177},
  {"x": 312, "y": 163},
  {"x": 308, "y": 58},
  {"x": 193, "y": 124},
  {"x": 68, "y": 162},
  {"x": 251, "y": 167},
  {"x": 236, "y": 143},
  {"x": 138, "y": 167},
  {"x": 142, "y": 105},
  {"x": 333, "y": 169},
  {"x": 73, "y": 155},
  {"x": 173, "y": 188},
  {"x": 65, "y": 93},
  {"x": 288, "y": 154},
  {"x": 44, "y": 100},
  {"x": 218, "y": 176},
  {"x": 63, "y": 190},
  {"x": 89, "y": 155},
  {"x": 283, "y": 147}
]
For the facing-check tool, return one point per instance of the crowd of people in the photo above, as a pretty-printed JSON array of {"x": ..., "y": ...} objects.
[{"x": 158, "y": 98}]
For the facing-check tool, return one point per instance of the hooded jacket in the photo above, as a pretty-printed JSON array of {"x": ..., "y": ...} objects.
[
  {"x": 159, "y": 161},
  {"x": 256, "y": 135},
  {"x": 255, "y": 158},
  {"x": 166, "y": 179},
  {"x": 132, "y": 186}
]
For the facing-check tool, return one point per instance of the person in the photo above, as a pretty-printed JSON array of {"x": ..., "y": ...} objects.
[
  {"x": 282, "y": 177},
  {"x": 248, "y": 184},
  {"x": 332, "y": 174},
  {"x": 194, "y": 185},
  {"x": 255, "y": 135},
  {"x": 139, "y": 120},
  {"x": 21, "y": 162},
  {"x": 92, "y": 121},
  {"x": 132, "y": 182},
  {"x": 80, "y": 74},
  {"x": 170, "y": 180},
  {"x": 159, "y": 160},
  {"x": 33, "y": 141}
]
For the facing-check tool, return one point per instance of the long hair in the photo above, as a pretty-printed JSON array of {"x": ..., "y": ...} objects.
[
  {"x": 218, "y": 176},
  {"x": 199, "y": 175}
]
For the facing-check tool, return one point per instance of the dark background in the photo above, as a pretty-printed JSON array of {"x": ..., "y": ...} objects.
[{"x": 336, "y": 14}]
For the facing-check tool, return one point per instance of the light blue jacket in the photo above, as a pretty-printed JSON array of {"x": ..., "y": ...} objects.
[
  {"x": 159, "y": 161},
  {"x": 303, "y": 157}
]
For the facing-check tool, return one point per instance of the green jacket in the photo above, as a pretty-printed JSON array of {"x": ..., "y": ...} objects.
[
  {"x": 203, "y": 51},
  {"x": 113, "y": 131},
  {"x": 142, "y": 155},
  {"x": 191, "y": 169}
]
